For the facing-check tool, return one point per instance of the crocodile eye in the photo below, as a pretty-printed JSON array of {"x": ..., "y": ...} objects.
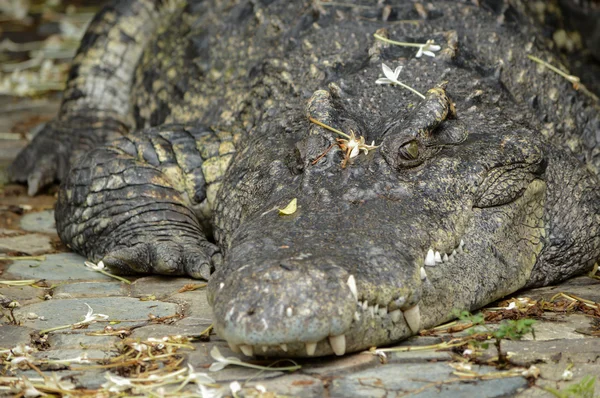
[{"x": 409, "y": 151}]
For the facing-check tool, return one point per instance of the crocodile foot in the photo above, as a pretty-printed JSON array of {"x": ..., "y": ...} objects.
[{"x": 194, "y": 259}]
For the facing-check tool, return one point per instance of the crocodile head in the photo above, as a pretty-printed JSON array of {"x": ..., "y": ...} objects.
[{"x": 439, "y": 217}]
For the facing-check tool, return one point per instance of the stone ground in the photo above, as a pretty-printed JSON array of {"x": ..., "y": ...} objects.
[{"x": 59, "y": 289}]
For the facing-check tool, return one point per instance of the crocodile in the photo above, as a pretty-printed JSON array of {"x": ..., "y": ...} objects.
[{"x": 186, "y": 129}]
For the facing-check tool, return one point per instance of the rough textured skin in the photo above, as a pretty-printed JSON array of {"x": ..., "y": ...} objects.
[{"x": 218, "y": 137}]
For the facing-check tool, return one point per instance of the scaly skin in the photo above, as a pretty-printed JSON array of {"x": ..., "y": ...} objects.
[{"x": 502, "y": 187}]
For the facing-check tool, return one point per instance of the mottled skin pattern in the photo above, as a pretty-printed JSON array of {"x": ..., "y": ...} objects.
[{"x": 215, "y": 136}]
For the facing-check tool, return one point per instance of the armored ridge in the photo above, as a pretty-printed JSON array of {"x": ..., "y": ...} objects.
[{"x": 470, "y": 194}]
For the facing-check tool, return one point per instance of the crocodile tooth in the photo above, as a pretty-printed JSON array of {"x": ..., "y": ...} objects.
[
  {"x": 356, "y": 316},
  {"x": 352, "y": 285},
  {"x": 234, "y": 347},
  {"x": 395, "y": 316},
  {"x": 430, "y": 258},
  {"x": 445, "y": 258},
  {"x": 221, "y": 285},
  {"x": 460, "y": 246},
  {"x": 376, "y": 308},
  {"x": 383, "y": 311},
  {"x": 413, "y": 318},
  {"x": 365, "y": 305},
  {"x": 338, "y": 344},
  {"x": 454, "y": 253},
  {"x": 438, "y": 257},
  {"x": 310, "y": 349},
  {"x": 265, "y": 348},
  {"x": 247, "y": 350},
  {"x": 423, "y": 273},
  {"x": 283, "y": 347},
  {"x": 372, "y": 311},
  {"x": 288, "y": 312}
]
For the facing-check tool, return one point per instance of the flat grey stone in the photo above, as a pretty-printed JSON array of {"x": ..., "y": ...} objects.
[
  {"x": 41, "y": 221},
  {"x": 22, "y": 294},
  {"x": 32, "y": 244},
  {"x": 158, "y": 331},
  {"x": 329, "y": 366},
  {"x": 237, "y": 373},
  {"x": 88, "y": 378},
  {"x": 159, "y": 286},
  {"x": 195, "y": 306},
  {"x": 93, "y": 355},
  {"x": 422, "y": 380},
  {"x": 560, "y": 327},
  {"x": 92, "y": 289},
  {"x": 129, "y": 311},
  {"x": 56, "y": 267},
  {"x": 81, "y": 341},
  {"x": 293, "y": 385},
  {"x": 9, "y": 232},
  {"x": 12, "y": 335}
]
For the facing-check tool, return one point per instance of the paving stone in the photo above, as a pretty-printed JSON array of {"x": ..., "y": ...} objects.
[
  {"x": 32, "y": 244},
  {"x": 81, "y": 341},
  {"x": 421, "y": 380},
  {"x": 9, "y": 232},
  {"x": 577, "y": 351},
  {"x": 22, "y": 294},
  {"x": 559, "y": 326},
  {"x": 129, "y": 311},
  {"x": 41, "y": 221},
  {"x": 88, "y": 378},
  {"x": 195, "y": 306},
  {"x": 12, "y": 335},
  {"x": 418, "y": 355},
  {"x": 159, "y": 286},
  {"x": 582, "y": 286},
  {"x": 158, "y": 331},
  {"x": 294, "y": 385},
  {"x": 93, "y": 355},
  {"x": 236, "y": 373},
  {"x": 92, "y": 289},
  {"x": 336, "y": 366},
  {"x": 56, "y": 267}
]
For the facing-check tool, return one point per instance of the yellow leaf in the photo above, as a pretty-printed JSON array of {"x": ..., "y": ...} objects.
[{"x": 289, "y": 209}]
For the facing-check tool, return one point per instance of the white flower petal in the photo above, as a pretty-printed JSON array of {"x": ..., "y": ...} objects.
[
  {"x": 216, "y": 366},
  {"x": 429, "y": 54},
  {"x": 397, "y": 72},
  {"x": 355, "y": 151},
  {"x": 434, "y": 47},
  {"x": 388, "y": 72},
  {"x": 383, "y": 80},
  {"x": 419, "y": 53},
  {"x": 235, "y": 387}
]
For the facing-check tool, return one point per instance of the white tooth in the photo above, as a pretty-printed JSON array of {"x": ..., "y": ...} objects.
[
  {"x": 365, "y": 305},
  {"x": 356, "y": 316},
  {"x": 462, "y": 243},
  {"x": 265, "y": 348},
  {"x": 423, "y": 273},
  {"x": 338, "y": 344},
  {"x": 454, "y": 253},
  {"x": 383, "y": 311},
  {"x": 310, "y": 349},
  {"x": 246, "y": 349},
  {"x": 413, "y": 318},
  {"x": 221, "y": 285},
  {"x": 234, "y": 347},
  {"x": 352, "y": 285},
  {"x": 372, "y": 311},
  {"x": 288, "y": 312},
  {"x": 376, "y": 308},
  {"x": 395, "y": 316},
  {"x": 438, "y": 257},
  {"x": 445, "y": 258},
  {"x": 283, "y": 347},
  {"x": 430, "y": 258}
]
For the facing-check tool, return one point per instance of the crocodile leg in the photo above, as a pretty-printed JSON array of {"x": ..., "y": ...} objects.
[
  {"x": 140, "y": 203},
  {"x": 95, "y": 106}
]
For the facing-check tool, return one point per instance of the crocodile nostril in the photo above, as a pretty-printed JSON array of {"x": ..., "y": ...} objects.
[
  {"x": 286, "y": 266},
  {"x": 251, "y": 311}
]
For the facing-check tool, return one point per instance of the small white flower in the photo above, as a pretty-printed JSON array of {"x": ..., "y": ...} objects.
[
  {"x": 260, "y": 388},
  {"x": 116, "y": 383},
  {"x": 567, "y": 375},
  {"x": 391, "y": 77},
  {"x": 235, "y": 387},
  {"x": 198, "y": 378},
  {"x": 210, "y": 392},
  {"x": 98, "y": 267},
  {"x": 222, "y": 362},
  {"x": 428, "y": 49},
  {"x": 139, "y": 347},
  {"x": 467, "y": 353},
  {"x": 90, "y": 317}
]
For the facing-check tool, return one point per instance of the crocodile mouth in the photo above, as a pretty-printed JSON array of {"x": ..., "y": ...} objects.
[{"x": 371, "y": 323}]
